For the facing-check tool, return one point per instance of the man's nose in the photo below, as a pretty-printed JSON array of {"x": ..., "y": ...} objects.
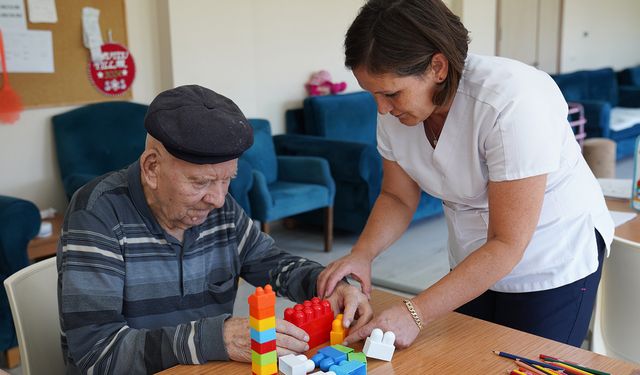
[{"x": 216, "y": 195}]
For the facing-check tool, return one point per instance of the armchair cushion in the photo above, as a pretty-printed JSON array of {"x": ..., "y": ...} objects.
[
  {"x": 307, "y": 169},
  {"x": 262, "y": 155}
]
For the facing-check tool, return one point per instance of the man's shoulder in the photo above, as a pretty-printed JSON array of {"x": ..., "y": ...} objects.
[{"x": 109, "y": 185}]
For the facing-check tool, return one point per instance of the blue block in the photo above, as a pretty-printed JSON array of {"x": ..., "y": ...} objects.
[
  {"x": 263, "y": 336},
  {"x": 328, "y": 357},
  {"x": 349, "y": 368}
]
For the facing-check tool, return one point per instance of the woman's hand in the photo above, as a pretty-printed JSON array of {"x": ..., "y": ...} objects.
[
  {"x": 237, "y": 339},
  {"x": 352, "y": 303},
  {"x": 355, "y": 265},
  {"x": 396, "y": 319}
]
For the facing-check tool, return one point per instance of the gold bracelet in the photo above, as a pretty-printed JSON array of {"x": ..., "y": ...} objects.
[{"x": 413, "y": 313}]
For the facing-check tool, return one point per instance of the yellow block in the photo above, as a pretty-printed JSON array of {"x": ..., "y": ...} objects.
[
  {"x": 262, "y": 324},
  {"x": 269, "y": 369}
]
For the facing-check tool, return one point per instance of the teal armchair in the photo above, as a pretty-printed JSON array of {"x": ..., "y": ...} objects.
[
  {"x": 284, "y": 186},
  {"x": 19, "y": 223},
  {"x": 97, "y": 138}
]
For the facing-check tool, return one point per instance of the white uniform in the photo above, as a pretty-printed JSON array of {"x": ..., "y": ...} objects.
[{"x": 508, "y": 121}]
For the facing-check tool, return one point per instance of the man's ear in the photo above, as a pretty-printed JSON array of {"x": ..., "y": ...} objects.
[
  {"x": 440, "y": 66},
  {"x": 149, "y": 168}
]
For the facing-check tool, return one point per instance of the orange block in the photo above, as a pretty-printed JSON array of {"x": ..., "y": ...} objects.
[
  {"x": 262, "y": 303},
  {"x": 338, "y": 332}
]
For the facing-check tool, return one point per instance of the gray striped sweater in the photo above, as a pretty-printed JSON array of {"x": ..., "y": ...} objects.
[{"x": 135, "y": 300}]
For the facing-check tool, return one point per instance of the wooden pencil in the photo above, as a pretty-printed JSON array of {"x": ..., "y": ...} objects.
[{"x": 529, "y": 367}]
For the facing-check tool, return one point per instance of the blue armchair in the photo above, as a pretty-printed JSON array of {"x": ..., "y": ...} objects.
[
  {"x": 629, "y": 76},
  {"x": 284, "y": 186},
  {"x": 342, "y": 129},
  {"x": 97, "y": 138},
  {"x": 19, "y": 223},
  {"x": 602, "y": 99}
]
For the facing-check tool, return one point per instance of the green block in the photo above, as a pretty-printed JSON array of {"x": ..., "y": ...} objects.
[
  {"x": 344, "y": 349},
  {"x": 359, "y": 356},
  {"x": 264, "y": 359}
]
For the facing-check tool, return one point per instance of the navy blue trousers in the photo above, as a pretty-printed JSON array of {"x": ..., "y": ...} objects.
[{"x": 561, "y": 314}]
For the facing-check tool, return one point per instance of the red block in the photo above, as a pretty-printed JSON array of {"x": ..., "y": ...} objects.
[
  {"x": 314, "y": 317},
  {"x": 266, "y": 347}
]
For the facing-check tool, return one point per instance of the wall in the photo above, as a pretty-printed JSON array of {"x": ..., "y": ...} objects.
[
  {"x": 599, "y": 34},
  {"x": 259, "y": 53}
]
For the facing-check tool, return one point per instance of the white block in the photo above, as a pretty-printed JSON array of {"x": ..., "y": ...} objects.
[
  {"x": 323, "y": 373},
  {"x": 380, "y": 346},
  {"x": 292, "y": 364}
]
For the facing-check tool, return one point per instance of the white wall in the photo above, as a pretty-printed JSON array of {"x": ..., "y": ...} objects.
[
  {"x": 599, "y": 34},
  {"x": 260, "y": 53}
]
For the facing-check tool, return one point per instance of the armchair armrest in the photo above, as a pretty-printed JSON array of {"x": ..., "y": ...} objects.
[
  {"x": 629, "y": 96},
  {"x": 598, "y": 116},
  {"x": 19, "y": 223},
  {"x": 307, "y": 169},
  {"x": 349, "y": 161}
]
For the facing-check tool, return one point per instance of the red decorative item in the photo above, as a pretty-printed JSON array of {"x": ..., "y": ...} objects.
[
  {"x": 115, "y": 73},
  {"x": 314, "y": 317},
  {"x": 10, "y": 102}
]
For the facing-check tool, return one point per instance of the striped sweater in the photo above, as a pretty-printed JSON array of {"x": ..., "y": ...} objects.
[{"x": 135, "y": 300}]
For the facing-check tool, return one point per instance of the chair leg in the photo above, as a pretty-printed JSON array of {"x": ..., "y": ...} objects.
[
  {"x": 328, "y": 228},
  {"x": 265, "y": 227}
]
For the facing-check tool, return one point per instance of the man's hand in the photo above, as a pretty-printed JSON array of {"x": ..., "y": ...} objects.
[
  {"x": 352, "y": 303},
  {"x": 237, "y": 339}
]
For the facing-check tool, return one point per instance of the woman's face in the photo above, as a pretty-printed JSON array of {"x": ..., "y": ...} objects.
[{"x": 409, "y": 98}]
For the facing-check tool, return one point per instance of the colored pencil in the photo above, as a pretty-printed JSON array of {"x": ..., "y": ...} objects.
[
  {"x": 528, "y": 361},
  {"x": 549, "y": 358},
  {"x": 572, "y": 370},
  {"x": 530, "y": 368},
  {"x": 546, "y": 370},
  {"x": 515, "y": 372}
]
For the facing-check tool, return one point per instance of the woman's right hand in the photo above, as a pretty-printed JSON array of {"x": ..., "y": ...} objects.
[{"x": 356, "y": 265}]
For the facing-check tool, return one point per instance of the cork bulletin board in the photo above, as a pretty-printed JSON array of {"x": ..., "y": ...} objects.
[{"x": 70, "y": 83}]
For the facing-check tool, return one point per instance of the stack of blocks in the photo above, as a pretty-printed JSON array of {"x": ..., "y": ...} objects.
[
  {"x": 262, "y": 320},
  {"x": 314, "y": 317}
]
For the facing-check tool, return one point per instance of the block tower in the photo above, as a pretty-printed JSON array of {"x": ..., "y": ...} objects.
[
  {"x": 314, "y": 317},
  {"x": 262, "y": 320}
]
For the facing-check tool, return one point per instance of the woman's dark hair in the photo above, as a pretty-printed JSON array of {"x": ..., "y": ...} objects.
[{"x": 401, "y": 37}]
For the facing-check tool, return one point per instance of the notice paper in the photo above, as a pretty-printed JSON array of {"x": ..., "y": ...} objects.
[
  {"x": 12, "y": 16},
  {"x": 42, "y": 11},
  {"x": 616, "y": 187},
  {"x": 29, "y": 51}
]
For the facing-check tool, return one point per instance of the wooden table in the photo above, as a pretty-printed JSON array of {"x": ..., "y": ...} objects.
[
  {"x": 454, "y": 344},
  {"x": 631, "y": 229},
  {"x": 44, "y": 247}
]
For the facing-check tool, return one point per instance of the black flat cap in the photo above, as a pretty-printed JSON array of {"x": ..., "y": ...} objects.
[{"x": 198, "y": 125}]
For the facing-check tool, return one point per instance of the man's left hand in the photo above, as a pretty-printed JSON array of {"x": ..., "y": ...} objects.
[{"x": 352, "y": 303}]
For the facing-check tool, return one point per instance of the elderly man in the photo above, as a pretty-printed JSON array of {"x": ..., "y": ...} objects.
[{"x": 150, "y": 256}]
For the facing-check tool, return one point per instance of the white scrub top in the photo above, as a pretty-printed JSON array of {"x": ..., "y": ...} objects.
[{"x": 507, "y": 121}]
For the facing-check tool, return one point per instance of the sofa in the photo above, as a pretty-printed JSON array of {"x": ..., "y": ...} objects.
[
  {"x": 19, "y": 223},
  {"x": 611, "y": 110},
  {"x": 342, "y": 129}
]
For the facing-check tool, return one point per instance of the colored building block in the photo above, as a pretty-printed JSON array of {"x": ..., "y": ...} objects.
[
  {"x": 262, "y": 348},
  {"x": 338, "y": 332},
  {"x": 342, "y": 348},
  {"x": 269, "y": 369},
  {"x": 314, "y": 317},
  {"x": 359, "y": 356},
  {"x": 292, "y": 364},
  {"x": 262, "y": 303},
  {"x": 380, "y": 346},
  {"x": 327, "y": 357},
  {"x": 262, "y": 324},
  {"x": 264, "y": 359},
  {"x": 323, "y": 373},
  {"x": 263, "y": 336},
  {"x": 349, "y": 368}
]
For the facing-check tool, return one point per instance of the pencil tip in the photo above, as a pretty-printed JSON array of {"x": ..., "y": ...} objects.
[{"x": 496, "y": 352}]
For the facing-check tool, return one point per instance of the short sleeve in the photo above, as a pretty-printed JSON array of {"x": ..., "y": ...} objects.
[
  {"x": 383, "y": 139},
  {"x": 527, "y": 138}
]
